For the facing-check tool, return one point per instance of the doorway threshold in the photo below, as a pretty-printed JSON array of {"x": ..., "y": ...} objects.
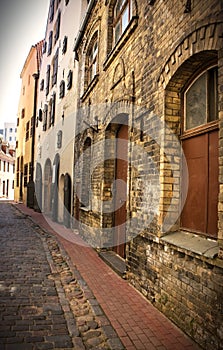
[{"x": 116, "y": 262}]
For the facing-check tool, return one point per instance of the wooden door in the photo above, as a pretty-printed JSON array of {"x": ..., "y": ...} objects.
[
  {"x": 200, "y": 210},
  {"x": 121, "y": 190}
]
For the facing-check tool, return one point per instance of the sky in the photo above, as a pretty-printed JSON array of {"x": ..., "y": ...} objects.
[{"x": 22, "y": 24}]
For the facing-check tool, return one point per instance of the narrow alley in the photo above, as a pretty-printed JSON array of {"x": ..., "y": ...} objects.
[{"x": 57, "y": 294}]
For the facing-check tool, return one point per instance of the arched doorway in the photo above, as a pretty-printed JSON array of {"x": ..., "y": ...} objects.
[
  {"x": 38, "y": 186},
  {"x": 61, "y": 199},
  {"x": 119, "y": 238},
  {"x": 55, "y": 180},
  {"x": 115, "y": 182},
  {"x": 47, "y": 187},
  {"x": 200, "y": 145},
  {"x": 191, "y": 95},
  {"x": 67, "y": 200}
]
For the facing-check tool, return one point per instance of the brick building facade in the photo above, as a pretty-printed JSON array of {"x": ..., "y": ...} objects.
[{"x": 148, "y": 180}]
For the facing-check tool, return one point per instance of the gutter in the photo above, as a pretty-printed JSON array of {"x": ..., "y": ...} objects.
[{"x": 84, "y": 23}]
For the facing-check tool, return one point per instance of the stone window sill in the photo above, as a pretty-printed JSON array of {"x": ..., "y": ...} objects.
[
  {"x": 86, "y": 209},
  {"x": 90, "y": 87},
  {"x": 111, "y": 56},
  {"x": 194, "y": 243}
]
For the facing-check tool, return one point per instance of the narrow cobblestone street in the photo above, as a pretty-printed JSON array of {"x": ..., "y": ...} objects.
[
  {"x": 58, "y": 294},
  {"x": 42, "y": 303}
]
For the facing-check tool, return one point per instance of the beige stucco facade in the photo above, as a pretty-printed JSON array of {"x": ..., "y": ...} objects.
[{"x": 26, "y": 122}]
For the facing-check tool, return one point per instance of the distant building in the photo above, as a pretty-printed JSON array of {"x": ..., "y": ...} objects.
[
  {"x": 56, "y": 111},
  {"x": 7, "y": 171},
  {"x": 26, "y": 122},
  {"x": 9, "y": 133}
]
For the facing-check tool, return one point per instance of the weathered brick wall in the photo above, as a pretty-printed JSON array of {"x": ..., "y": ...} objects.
[
  {"x": 143, "y": 78},
  {"x": 184, "y": 286}
]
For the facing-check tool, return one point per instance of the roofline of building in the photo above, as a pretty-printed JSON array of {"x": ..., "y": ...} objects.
[{"x": 84, "y": 24}]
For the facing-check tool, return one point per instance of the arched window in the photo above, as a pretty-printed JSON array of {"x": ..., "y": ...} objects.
[
  {"x": 92, "y": 60},
  {"x": 201, "y": 100},
  {"x": 122, "y": 17}
]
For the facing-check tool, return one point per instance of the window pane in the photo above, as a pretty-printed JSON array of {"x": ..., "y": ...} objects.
[
  {"x": 212, "y": 95},
  {"x": 196, "y": 106},
  {"x": 125, "y": 19},
  {"x": 117, "y": 32}
]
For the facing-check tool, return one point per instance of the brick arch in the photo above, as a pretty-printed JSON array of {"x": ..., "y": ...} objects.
[
  {"x": 117, "y": 108},
  {"x": 172, "y": 116},
  {"x": 204, "y": 39}
]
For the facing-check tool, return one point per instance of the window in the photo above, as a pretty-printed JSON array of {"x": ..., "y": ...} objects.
[
  {"x": 30, "y": 171},
  {"x": 17, "y": 144},
  {"x": 11, "y": 130},
  {"x": 201, "y": 100},
  {"x": 55, "y": 68},
  {"x": 32, "y": 127},
  {"x": 51, "y": 11},
  {"x": 44, "y": 47},
  {"x": 57, "y": 28},
  {"x": 25, "y": 175},
  {"x": 4, "y": 166},
  {"x": 62, "y": 89},
  {"x": 18, "y": 121},
  {"x": 50, "y": 43},
  {"x": 69, "y": 79},
  {"x": 42, "y": 85},
  {"x": 45, "y": 115},
  {"x": 52, "y": 112},
  {"x": 8, "y": 167},
  {"x": 122, "y": 17},
  {"x": 27, "y": 131},
  {"x": 10, "y": 138},
  {"x": 47, "y": 79},
  {"x": 64, "y": 48},
  {"x": 92, "y": 61},
  {"x": 23, "y": 113}
]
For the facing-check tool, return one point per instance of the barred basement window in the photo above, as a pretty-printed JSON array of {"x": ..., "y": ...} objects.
[
  {"x": 62, "y": 89},
  {"x": 69, "y": 79},
  {"x": 64, "y": 48}
]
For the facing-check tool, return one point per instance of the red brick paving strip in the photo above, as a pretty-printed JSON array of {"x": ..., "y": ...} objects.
[{"x": 137, "y": 322}]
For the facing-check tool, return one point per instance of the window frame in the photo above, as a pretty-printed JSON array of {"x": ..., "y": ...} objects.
[
  {"x": 209, "y": 123},
  {"x": 117, "y": 19}
]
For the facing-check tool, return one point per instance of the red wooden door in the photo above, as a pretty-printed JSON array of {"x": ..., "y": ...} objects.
[
  {"x": 121, "y": 190},
  {"x": 200, "y": 210}
]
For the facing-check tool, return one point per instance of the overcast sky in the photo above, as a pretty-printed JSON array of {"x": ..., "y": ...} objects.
[{"x": 22, "y": 24}]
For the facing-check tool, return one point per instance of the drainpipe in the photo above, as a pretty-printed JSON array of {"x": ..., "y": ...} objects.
[{"x": 31, "y": 187}]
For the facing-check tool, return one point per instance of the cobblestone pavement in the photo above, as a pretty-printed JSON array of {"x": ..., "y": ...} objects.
[{"x": 44, "y": 302}]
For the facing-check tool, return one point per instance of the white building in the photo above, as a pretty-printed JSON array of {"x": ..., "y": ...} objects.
[
  {"x": 7, "y": 171},
  {"x": 56, "y": 110},
  {"x": 10, "y": 133}
]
